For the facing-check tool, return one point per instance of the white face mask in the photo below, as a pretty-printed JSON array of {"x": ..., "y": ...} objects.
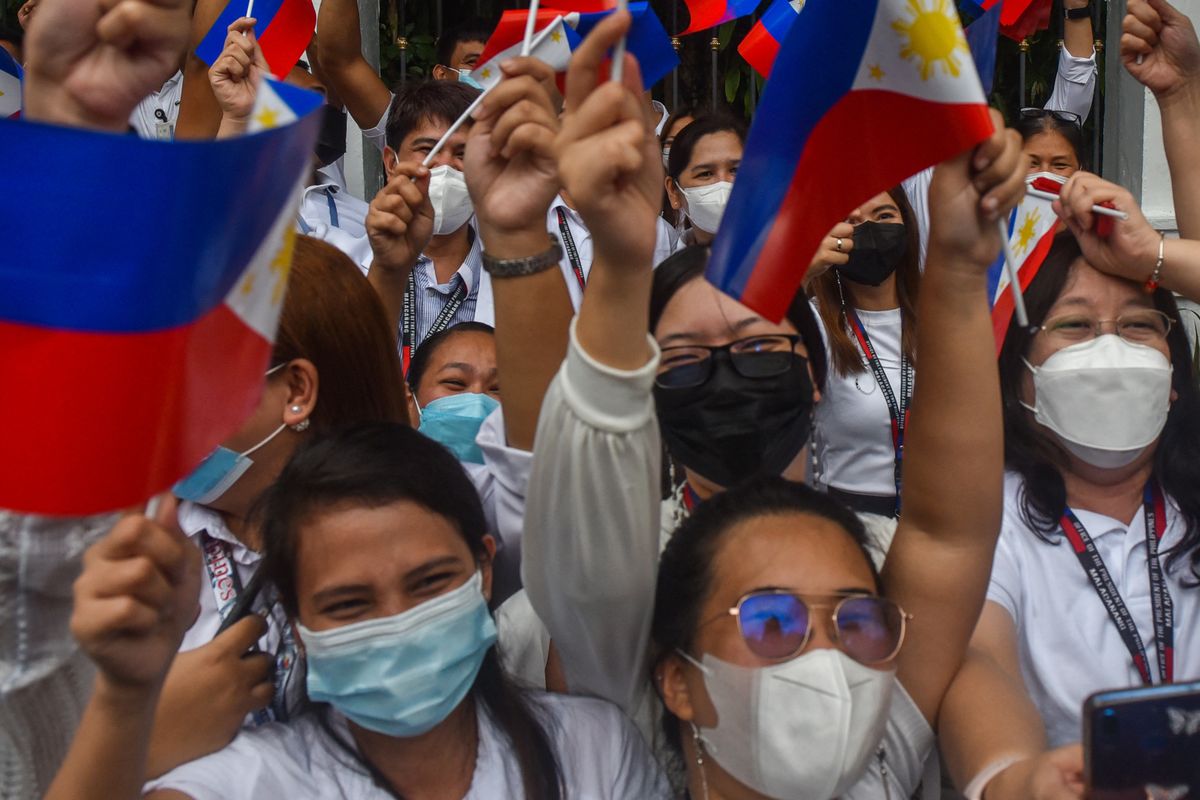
[
  {"x": 705, "y": 205},
  {"x": 450, "y": 199},
  {"x": 1106, "y": 399},
  {"x": 802, "y": 729}
]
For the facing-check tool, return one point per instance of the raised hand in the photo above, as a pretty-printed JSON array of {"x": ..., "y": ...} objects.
[
  {"x": 90, "y": 62},
  {"x": 400, "y": 219},
  {"x": 1165, "y": 41},
  {"x": 970, "y": 193},
  {"x": 1131, "y": 249},
  {"x": 609, "y": 159},
  {"x": 509, "y": 164},
  {"x": 236, "y": 73},
  {"x": 136, "y": 597},
  {"x": 834, "y": 252}
]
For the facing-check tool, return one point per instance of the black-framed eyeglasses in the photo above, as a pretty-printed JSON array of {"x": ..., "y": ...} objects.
[
  {"x": 776, "y": 625},
  {"x": 766, "y": 356},
  {"x": 1145, "y": 326},
  {"x": 1068, "y": 117}
]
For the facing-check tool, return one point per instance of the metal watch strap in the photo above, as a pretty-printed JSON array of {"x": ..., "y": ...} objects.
[{"x": 529, "y": 265}]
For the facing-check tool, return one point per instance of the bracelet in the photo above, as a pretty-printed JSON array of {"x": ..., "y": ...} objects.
[
  {"x": 1079, "y": 13},
  {"x": 1156, "y": 275},
  {"x": 529, "y": 265},
  {"x": 978, "y": 784}
]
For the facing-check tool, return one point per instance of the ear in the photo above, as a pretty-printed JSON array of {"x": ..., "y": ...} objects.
[
  {"x": 674, "y": 197},
  {"x": 485, "y": 565},
  {"x": 389, "y": 161},
  {"x": 301, "y": 397},
  {"x": 441, "y": 73},
  {"x": 671, "y": 681},
  {"x": 414, "y": 413}
]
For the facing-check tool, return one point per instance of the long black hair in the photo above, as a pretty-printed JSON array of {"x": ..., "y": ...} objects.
[
  {"x": 688, "y": 564},
  {"x": 1040, "y": 459},
  {"x": 378, "y": 464},
  {"x": 1048, "y": 122}
]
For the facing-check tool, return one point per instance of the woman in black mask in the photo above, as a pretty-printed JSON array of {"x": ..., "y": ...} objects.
[
  {"x": 864, "y": 289},
  {"x": 734, "y": 392}
]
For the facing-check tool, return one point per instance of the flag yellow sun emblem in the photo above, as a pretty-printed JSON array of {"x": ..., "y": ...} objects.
[
  {"x": 1028, "y": 231},
  {"x": 933, "y": 35}
]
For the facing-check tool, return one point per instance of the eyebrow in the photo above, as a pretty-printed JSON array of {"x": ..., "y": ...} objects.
[
  {"x": 431, "y": 566},
  {"x": 692, "y": 336},
  {"x": 888, "y": 207},
  {"x": 333, "y": 593},
  {"x": 424, "y": 140},
  {"x": 464, "y": 366}
]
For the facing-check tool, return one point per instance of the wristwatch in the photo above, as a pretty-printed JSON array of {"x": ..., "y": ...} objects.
[
  {"x": 1079, "y": 13},
  {"x": 529, "y": 265}
]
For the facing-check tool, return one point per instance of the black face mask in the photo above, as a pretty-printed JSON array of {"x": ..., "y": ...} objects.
[
  {"x": 331, "y": 141},
  {"x": 878, "y": 248},
  {"x": 731, "y": 427}
]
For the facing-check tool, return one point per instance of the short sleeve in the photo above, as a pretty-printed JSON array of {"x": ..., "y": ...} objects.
[
  {"x": 378, "y": 134},
  {"x": 1004, "y": 589}
]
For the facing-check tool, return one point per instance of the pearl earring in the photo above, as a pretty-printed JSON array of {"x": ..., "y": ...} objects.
[{"x": 302, "y": 425}]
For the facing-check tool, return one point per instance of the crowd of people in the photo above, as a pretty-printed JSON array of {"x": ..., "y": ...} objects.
[{"x": 681, "y": 550}]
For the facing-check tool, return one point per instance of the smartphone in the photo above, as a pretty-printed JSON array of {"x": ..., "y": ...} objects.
[{"x": 1143, "y": 744}]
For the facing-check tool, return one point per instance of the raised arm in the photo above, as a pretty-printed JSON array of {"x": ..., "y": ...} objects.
[
  {"x": 939, "y": 563},
  {"x": 351, "y": 77},
  {"x": 513, "y": 177},
  {"x": 590, "y": 549},
  {"x": 399, "y": 225},
  {"x": 199, "y": 111},
  {"x": 1165, "y": 41},
  {"x": 235, "y": 77},
  {"x": 1075, "y": 75}
]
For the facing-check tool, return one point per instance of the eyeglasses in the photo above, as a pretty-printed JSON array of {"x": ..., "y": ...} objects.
[
  {"x": 753, "y": 357},
  {"x": 776, "y": 625},
  {"x": 1147, "y": 326},
  {"x": 1062, "y": 116}
]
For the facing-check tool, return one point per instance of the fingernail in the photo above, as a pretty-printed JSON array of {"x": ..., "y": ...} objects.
[{"x": 507, "y": 64}]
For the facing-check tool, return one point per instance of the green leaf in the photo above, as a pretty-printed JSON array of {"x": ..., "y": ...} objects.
[
  {"x": 733, "y": 79},
  {"x": 725, "y": 33}
]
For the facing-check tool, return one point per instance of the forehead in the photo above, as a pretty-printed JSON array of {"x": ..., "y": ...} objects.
[
  {"x": 877, "y": 202},
  {"x": 716, "y": 147},
  {"x": 1049, "y": 143},
  {"x": 796, "y": 551},
  {"x": 468, "y": 47},
  {"x": 678, "y": 125},
  {"x": 475, "y": 348},
  {"x": 435, "y": 128},
  {"x": 1088, "y": 289},
  {"x": 709, "y": 316}
]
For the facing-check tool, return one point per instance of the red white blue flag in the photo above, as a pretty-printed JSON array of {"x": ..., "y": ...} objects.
[
  {"x": 1031, "y": 229},
  {"x": 707, "y": 14},
  {"x": 284, "y": 28},
  {"x": 135, "y": 338},
  {"x": 842, "y": 118},
  {"x": 761, "y": 44},
  {"x": 11, "y": 77}
]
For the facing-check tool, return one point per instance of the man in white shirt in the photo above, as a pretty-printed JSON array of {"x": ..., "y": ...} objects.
[{"x": 154, "y": 117}]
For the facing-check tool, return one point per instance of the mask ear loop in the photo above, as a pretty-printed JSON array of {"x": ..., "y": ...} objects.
[{"x": 698, "y": 744}]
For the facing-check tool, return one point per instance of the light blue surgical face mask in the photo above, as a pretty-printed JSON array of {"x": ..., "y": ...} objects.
[
  {"x": 454, "y": 421},
  {"x": 220, "y": 469},
  {"x": 464, "y": 76},
  {"x": 402, "y": 675}
]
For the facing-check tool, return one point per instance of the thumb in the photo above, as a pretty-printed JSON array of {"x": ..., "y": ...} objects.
[
  {"x": 1167, "y": 11},
  {"x": 241, "y": 635}
]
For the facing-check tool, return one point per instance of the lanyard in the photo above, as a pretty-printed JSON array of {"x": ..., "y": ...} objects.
[
  {"x": 897, "y": 411},
  {"x": 333, "y": 215},
  {"x": 572, "y": 251},
  {"x": 222, "y": 573},
  {"x": 408, "y": 334},
  {"x": 1154, "y": 507}
]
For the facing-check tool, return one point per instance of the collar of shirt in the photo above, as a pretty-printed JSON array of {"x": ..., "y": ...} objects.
[
  {"x": 574, "y": 219},
  {"x": 1100, "y": 526},
  {"x": 468, "y": 272},
  {"x": 194, "y": 518}
]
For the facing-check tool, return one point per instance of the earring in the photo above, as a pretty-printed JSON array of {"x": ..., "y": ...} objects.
[
  {"x": 302, "y": 425},
  {"x": 698, "y": 745}
]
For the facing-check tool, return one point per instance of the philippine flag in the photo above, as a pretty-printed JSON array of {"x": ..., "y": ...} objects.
[
  {"x": 842, "y": 118},
  {"x": 707, "y": 14},
  {"x": 552, "y": 43},
  {"x": 1031, "y": 227},
  {"x": 647, "y": 41},
  {"x": 11, "y": 76},
  {"x": 284, "y": 29},
  {"x": 136, "y": 320},
  {"x": 761, "y": 44}
]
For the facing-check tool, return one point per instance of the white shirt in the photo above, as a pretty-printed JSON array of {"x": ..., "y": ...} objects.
[
  {"x": 852, "y": 429},
  {"x": 600, "y": 755},
  {"x": 378, "y": 134},
  {"x": 591, "y": 563},
  {"x": 331, "y": 206},
  {"x": 582, "y": 238},
  {"x": 155, "y": 116},
  {"x": 1068, "y": 645}
]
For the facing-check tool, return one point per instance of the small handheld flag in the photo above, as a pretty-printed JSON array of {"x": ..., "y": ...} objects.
[
  {"x": 896, "y": 91},
  {"x": 552, "y": 44},
  {"x": 1028, "y": 233},
  {"x": 647, "y": 40},
  {"x": 982, "y": 35},
  {"x": 761, "y": 44},
  {"x": 707, "y": 14},
  {"x": 284, "y": 29},
  {"x": 166, "y": 311},
  {"x": 11, "y": 79}
]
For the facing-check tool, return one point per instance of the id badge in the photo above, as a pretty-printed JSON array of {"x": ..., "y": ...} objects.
[{"x": 163, "y": 131}]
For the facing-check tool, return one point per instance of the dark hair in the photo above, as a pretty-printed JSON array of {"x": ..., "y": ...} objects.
[
  {"x": 675, "y": 116},
  {"x": 378, "y": 464},
  {"x": 471, "y": 29},
  {"x": 1040, "y": 459},
  {"x": 1031, "y": 126},
  {"x": 685, "y": 266},
  {"x": 686, "y": 140},
  {"x": 332, "y": 317},
  {"x": 417, "y": 102},
  {"x": 686, "y": 568},
  {"x": 429, "y": 347},
  {"x": 828, "y": 290}
]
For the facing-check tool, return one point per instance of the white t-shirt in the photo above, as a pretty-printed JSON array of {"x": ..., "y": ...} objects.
[
  {"x": 852, "y": 430},
  {"x": 1068, "y": 645},
  {"x": 600, "y": 756}
]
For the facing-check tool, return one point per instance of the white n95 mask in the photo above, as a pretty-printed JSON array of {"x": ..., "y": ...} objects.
[
  {"x": 450, "y": 200},
  {"x": 1105, "y": 399},
  {"x": 705, "y": 205},
  {"x": 802, "y": 729}
]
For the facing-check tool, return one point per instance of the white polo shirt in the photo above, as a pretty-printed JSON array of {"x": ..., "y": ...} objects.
[
  {"x": 1068, "y": 645},
  {"x": 328, "y": 205},
  {"x": 155, "y": 116}
]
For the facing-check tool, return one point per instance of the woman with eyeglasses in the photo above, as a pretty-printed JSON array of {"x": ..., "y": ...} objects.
[
  {"x": 765, "y": 641},
  {"x": 864, "y": 290}
]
